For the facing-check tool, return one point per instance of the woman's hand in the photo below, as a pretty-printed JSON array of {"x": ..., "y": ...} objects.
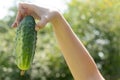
[{"x": 44, "y": 15}]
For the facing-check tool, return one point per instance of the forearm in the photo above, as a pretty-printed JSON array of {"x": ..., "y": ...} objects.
[{"x": 77, "y": 57}]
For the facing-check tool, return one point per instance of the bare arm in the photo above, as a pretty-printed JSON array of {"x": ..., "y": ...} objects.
[
  {"x": 77, "y": 57},
  {"x": 81, "y": 64}
]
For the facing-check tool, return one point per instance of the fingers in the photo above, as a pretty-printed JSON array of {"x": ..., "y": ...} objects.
[
  {"x": 17, "y": 20},
  {"x": 14, "y": 24},
  {"x": 20, "y": 14},
  {"x": 25, "y": 9},
  {"x": 41, "y": 23}
]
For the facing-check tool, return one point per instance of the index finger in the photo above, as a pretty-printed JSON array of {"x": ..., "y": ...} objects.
[{"x": 19, "y": 16}]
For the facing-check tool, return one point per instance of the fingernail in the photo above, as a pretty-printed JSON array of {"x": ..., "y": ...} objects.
[{"x": 13, "y": 25}]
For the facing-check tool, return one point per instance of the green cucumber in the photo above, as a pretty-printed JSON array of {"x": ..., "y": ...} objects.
[{"x": 25, "y": 43}]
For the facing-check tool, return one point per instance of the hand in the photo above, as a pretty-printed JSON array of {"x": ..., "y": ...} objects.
[{"x": 44, "y": 15}]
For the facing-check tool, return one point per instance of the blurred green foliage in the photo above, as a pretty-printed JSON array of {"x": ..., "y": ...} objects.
[{"x": 96, "y": 23}]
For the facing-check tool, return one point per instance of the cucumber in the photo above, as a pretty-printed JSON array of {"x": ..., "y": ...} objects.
[{"x": 25, "y": 43}]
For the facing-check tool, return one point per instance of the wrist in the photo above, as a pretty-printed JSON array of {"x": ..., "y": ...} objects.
[{"x": 56, "y": 17}]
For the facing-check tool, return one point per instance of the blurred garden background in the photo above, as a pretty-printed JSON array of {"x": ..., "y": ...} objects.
[{"x": 96, "y": 23}]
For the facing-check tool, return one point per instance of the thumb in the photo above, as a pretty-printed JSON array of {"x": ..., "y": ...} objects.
[{"x": 43, "y": 21}]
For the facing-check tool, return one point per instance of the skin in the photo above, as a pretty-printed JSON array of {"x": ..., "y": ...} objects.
[{"x": 79, "y": 61}]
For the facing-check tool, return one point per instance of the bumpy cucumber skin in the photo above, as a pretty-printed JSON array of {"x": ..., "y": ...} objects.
[{"x": 25, "y": 43}]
